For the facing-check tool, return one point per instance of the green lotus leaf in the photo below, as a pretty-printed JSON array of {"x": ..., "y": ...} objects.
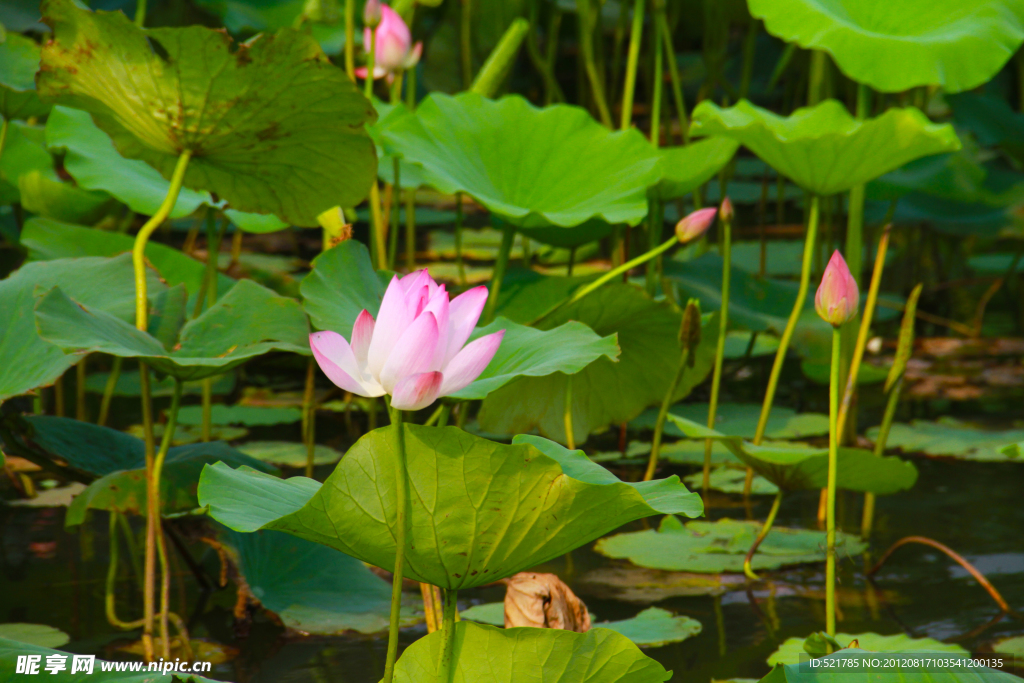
[
  {"x": 248, "y": 321},
  {"x": 343, "y": 283},
  {"x": 272, "y": 125},
  {"x": 684, "y": 169},
  {"x": 252, "y": 16},
  {"x": 822, "y": 148},
  {"x": 34, "y": 634},
  {"x": 991, "y": 120},
  {"x": 605, "y": 392},
  {"x": 189, "y": 434},
  {"x": 410, "y": 174},
  {"x": 537, "y": 655},
  {"x": 248, "y": 416},
  {"x": 652, "y": 627},
  {"x": 312, "y": 588},
  {"x": 48, "y": 239},
  {"x": 895, "y": 47},
  {"x": 62, "y": 201},
  {"x": 953, "y": 438},
  {"x": 732, "y": 480},
  {"x": 472, "y": 521},
  {"x": 561, "y": 168},
  {"x": 720, "y": 546},
  {"x": 19, "y": 61},
  {"x": 128, "y": 384},
  {"x": 796, "y": 467},
  {"x": 527, "y": 296},
  {"x": 740, "y": 419},
  {"x": 793, "y": 648},
  {"x": 1013, "y": 645},
  {"x": 24, "y": 152},
  {"x": 899, "y": 673},
  {"x": 101, "y": 283},
  {"x": 289, "y": 453}
]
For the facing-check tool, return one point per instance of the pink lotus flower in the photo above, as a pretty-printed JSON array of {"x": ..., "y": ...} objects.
[
  {"x": 393, "y": 51},
  {"x": 415, "y": 350},
  {"x": 838, "y": 297},
  {"x": 695, "y": 224}
]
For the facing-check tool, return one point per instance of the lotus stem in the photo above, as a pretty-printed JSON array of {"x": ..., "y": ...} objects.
[
  {"x": 955, "y": 556},
  {"x": 140, "y": 13},
  {"x": 787, "y": 334},
  {"x": 3, "y": 135},
  {"x": 109, "y": 601},
  {"x": 446, "y": 667},
  {"x": 427, "y": 591},
  {"x": 395, "y": 216},
  {"x": 149, "y": 568},
  {"x": 867, "y": 520},
  {"x": 587, "y": 27},
  {"x": 570, "y": 436},
  {"x": 402, "y": 511},
  {"x": 214, "y": 239},
  {"x": 378, "y": 236},
  {"x": 655, "y": 212},
  {"x": 723, "y": 326},
  {"x": 139, "y": 249},
  {"x": 830, "y": 511},
  {"x": 80, "y": 407},
  {"x": 458, "y": 239},
  {"x": 499, "y": 63},
  {"x": 666, "y": 403},
  {"x": 154, "y": 535},
  {"x": 466, "y": 43},
  {"x": 749, "y": 52},
  {"x": 504, "y": 252},
  {"x": 371, "y": 65},
  {"x": 543, "y": 65},
  {"x": 625, "y": 267},
  {"x": 410, "y": 229},
  {"x": 350, "y": 39},
  {"x": 58, "y": 397},
  {"x": 768, "y": 522},
  {"x": 816, "y": 79},
  {"x": 309, "y": 416},
  {"x": 129, "y": 541},
  {"x": 632, "y": 59},
  {"x": 673, "y": 72}
]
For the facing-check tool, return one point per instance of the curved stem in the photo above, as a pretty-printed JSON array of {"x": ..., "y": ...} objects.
[
  {"x": 625, "y": 267},
  {"x": 402, "y": 511},
  {"x": 109, "y": 601},
  {"x": 446, "y": 666},
  {"x": 867, "y": 520},
  {"x": 505, "y": 251},
  {"x": 830, "y": 511},
  {"x": 632, "y": 59},
  {"x": 350, "y": 38},
  {"x": 139, "y": 248},
  {"x": 955, "y": 556},
  {"x": 723, "y": 325},
  {"x": 586, "y": 25},
  {"x": 153, "y": 509},
  {"x": 501, "y": 60},
  {"x": 659, "y": 425},
  {"x": 149, "y": 567},
  {"x": 673, "y": 72},
  {"x": 765, "y": 528}
]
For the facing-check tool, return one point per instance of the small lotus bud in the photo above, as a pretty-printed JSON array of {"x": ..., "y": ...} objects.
[
  {"x": 726, "y": 212},
  {"x": 372, "y": 14},
  {"x": 695, "y": 224},
  {"x": 837, "y": 297},
  {"x": 689, "y": 330}
]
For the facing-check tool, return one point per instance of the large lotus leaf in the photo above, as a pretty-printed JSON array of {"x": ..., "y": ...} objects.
[
  {"x": 822, "y": 148},
  {"x": 273, "y": 126},
  {"x": 604, "y": 392},
  {"x": 991, "y": 119},
  {"x": 248, "y": 321},
  {"x": 897, "y": 46},
  {"x": 793, "y": 648},
  {"x": 953, "y": 438},
  {"x": 479, "y": 510},
  {"x": 795, "y": 468},
  {"x": 910, "y": 670},
  {"x": 343, "y": 283},
  {"x": 34, "y": 634},
  {"x": 19, "y": 61},
  {"x": 715, "y": 547},
  {"x": 410, "y": 175},
  {"x": 101, "y": 283},
  {"x": 10, "y": 650},
  {"x": 24, "y": 152},
  {"x": 684, "y": 169},
  {"x": 129, "y": 384},
  {"x": 530, "y": 655},
  {"x": 60, "y": 200},
  {"x": 527, "y": 296},
  {"x": 47, "y": 239},
  {"x": 561, "y": 168},
  {"x": 312, "y": 588},
  {"x": 740, "y": 419},
  {"x": 652, "y": 627}
]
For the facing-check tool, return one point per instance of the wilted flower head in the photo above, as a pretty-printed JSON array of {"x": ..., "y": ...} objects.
[
  {"x": 415, "y": 350},
  {"x": 695, "y": 224},
  {"x": 393, "y": 51},
  {"x": 837, "y": 297}
]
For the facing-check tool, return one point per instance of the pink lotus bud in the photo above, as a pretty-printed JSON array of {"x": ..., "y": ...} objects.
[
  {"x": 837, "y": 298},
  {"x": 695, "y": 224},
  {"x": 394, "y": 50},
  {"x": 415, "y": 350},
  {"x": 726, "y": 211},
  {"x": 372, "y": 13}
]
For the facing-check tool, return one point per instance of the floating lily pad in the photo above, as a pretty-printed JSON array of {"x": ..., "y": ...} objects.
[
  {"x": 19, "y": 61},
  {"x": 248, "y": 321},
  {"x": 952, "y": 44},
  {"x": 313, "y": 588},
  {"x": 59, "y": 497},
  {"x": 950, "y": 437},
  {"x": 561, "y": 169},
  {"x": 819, "y": 371},
  {"x": 684, "y": 169},
  {"x": 249, "y": 416},
  {"x": 791, "y": 650},
  {"x": 343, "y": 283},
  {"x": 538, "y": 655},
  {"x": 740, "y": 419},
  {"x": 34, "y": 634},
  {"x": 731, "y": 480},
  {"x": 289, "y": 453},
  {"x": 186, "y": 434},
  {"x": 128, "y": 384},
  {"x": 715, "y": 547},
  {"x": 604, "y": 392},
  {"x": 273, "y": 126},
  {"x": 467, "y": 496},
  {"x": 640, "y": 585},
  {"x": 822, "y": 148}
]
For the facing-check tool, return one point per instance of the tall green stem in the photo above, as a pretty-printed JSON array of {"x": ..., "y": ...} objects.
[
  {"x": 402, "y": 512},
  {"x": 350, "y": 38},
  {"x": 446, "y": 666},
  {"x": 830, "y": 514},
  {"x": 666, "y": 403},
  {"x": 587, "y": 27},
  {"x": 108, "y": 391},
  {"x": 507, "y": 239},
  {"x": 632, "y": 60},
  {"x": 673, "y": 72},
  {"x": 868, "y": 518},
  {"x": 466, "y": 43},
  {"x": 625, "y": 267},
  {"x": 816, "y": 78},
  {"x": 214, "y": 238},
  {"x": 371, "y": 65},
  {"x": 410, "y": 229},
  {"x": 309, "y": 416},
  {"x": 140, "y": 13},
  {"x": 499, "y": 63},
  {"x": 3, "y": 135},
  {"x": 396, "y": 202},
  {"x": 723, "y": 326},
  {"x": 109, "y": 599},
  {"x": 765, "y": 528},
  {"x": 655, "y": 224},
  {"x": 570, "y": 432},
  {"x": 80, "y": 407}
]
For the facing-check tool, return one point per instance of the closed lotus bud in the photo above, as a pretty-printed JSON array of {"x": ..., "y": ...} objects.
[
  {"x": 726, "y": 210},
  {"x": 695, "y": 224},
  {"x": 689, "y": 331},
  {"x": 372, "y": 15},
  {"x": 837, "y": 298}
]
